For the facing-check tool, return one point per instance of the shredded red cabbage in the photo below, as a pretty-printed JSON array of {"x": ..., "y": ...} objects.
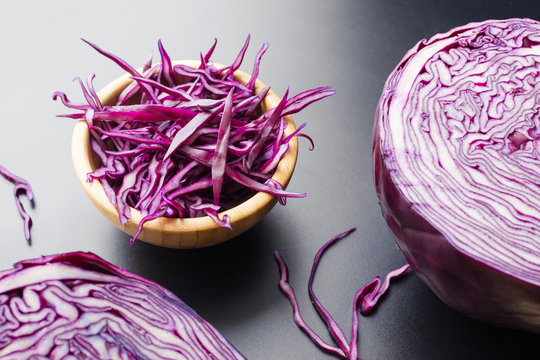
[
  {"x": 79, "y": 306},
  {"x": 365, "y": 300},
  {"x": 21, "y": 187},
  {"x": 187, "y": 142}
]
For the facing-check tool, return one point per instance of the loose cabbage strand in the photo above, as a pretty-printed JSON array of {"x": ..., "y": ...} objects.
[
  {"x": 200, "y": 122},
  {"x": 365, "y": 300},
  {"x": 21, "y": 187}
]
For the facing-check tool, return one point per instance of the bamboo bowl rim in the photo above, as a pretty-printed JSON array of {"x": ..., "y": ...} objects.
[{"x": 186, "y": 232}]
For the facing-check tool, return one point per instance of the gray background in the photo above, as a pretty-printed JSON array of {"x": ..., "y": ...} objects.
[{"x": 349, "y": 45}]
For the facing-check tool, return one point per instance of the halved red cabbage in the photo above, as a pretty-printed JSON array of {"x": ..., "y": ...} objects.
[
  {"x": 456, "y": 161},
  {"x": 78, "y": 306}
]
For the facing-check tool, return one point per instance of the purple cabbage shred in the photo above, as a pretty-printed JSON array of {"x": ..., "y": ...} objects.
[
  {"x": 21, "y": 187},
  {"x": 365, "y": 300}
]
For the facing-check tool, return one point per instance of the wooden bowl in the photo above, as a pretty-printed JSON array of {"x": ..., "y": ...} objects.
[{"x": 175, "y": 232}]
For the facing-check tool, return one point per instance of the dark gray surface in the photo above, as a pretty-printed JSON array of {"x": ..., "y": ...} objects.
[{"x": 350, "y": 45}]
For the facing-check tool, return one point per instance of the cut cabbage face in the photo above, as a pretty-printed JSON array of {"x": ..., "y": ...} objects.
[
  {"x": 456, "y": 157},
  {"x": 77, "y": 305}
]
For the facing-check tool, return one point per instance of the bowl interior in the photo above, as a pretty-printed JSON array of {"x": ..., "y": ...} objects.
[{"x": 175, "y": 232}]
